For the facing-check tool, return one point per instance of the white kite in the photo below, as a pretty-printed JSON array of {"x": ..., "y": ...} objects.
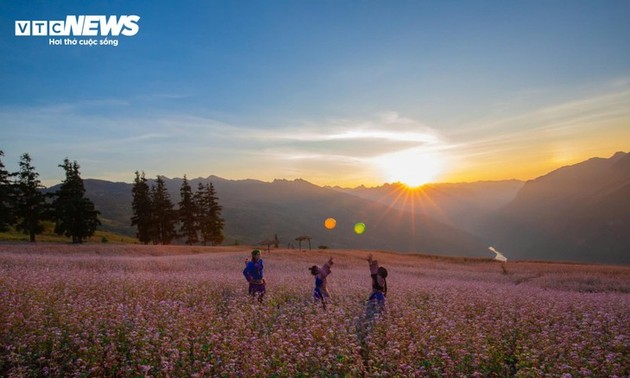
[{"x": 499, "y": 256}]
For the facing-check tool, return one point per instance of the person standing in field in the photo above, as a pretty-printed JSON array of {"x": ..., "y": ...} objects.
[
  {"x": 320, "y": 293},
  {"x": 376, "y": 301},
  {"x": 253, "y": 273},
  {"x": 375, "y": 305}
]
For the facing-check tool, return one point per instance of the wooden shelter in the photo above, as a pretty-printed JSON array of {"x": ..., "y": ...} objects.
[{"x": 299, "y": 240}]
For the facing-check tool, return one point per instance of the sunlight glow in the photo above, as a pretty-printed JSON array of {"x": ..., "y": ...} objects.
[{"x": 411, "y": 167}]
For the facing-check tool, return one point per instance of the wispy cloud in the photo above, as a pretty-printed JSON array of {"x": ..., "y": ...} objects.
[
  {"x": 111, "y": 132},
  {"x": 568, "y": 119},
  {"x": 123, "y": 140},
  {"x": 377, "y": 135}
]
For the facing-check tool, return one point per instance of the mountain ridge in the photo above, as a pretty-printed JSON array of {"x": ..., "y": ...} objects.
[
  {"x": 561, "y": 215},
  {"x": 581, "y": 210},
  {"x": 256, "y": 211}
]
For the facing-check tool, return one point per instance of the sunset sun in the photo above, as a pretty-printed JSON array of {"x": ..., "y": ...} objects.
[{"x": 412, "y": 168}]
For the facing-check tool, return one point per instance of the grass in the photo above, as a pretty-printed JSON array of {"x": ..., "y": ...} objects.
[{"x": 48, "y": 236}]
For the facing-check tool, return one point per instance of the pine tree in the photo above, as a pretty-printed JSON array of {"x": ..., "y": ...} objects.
[
  {"x": 217, "y": 221},
  {"x": 142, "y": 209},
  {"x": 6, "y": 198},
  {"x": 75, "y": 215},
  {"x": 30, "y": 206},
  {"x": 163, "y": 214},
  {"x": 188, "y": 214},
  {"x": 210, "y": 221},
  {"x": 201, "y": 205}
]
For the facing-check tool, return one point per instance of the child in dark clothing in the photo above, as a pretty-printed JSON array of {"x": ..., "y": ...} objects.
[
  {"x": 320, "y": 293},
  {"x": 253, "y": 273},
  {"x": 376, "y": 301},
  {"x": 375, "y": 305}
]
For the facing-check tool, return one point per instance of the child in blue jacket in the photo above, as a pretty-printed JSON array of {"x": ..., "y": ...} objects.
[{"x": 253, "y": 273}]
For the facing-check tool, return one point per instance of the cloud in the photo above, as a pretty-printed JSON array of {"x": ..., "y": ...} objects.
[
  {"x": 352, "y": 138},
  {"x": 144, "y": 137},
  {"x": 350, "y": 148},
  {"x": 112, "y": 136},
  {"x": 573, "y": 119}
]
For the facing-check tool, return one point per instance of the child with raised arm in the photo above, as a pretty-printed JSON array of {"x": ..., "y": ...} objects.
[
  {"x": 320, "y": 293},
  {"x": 253, "y": 273},
  {"x": 376, "y": 302}
]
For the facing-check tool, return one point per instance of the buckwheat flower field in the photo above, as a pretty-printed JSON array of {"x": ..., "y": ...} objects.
[{"x": 106, "y": 310}]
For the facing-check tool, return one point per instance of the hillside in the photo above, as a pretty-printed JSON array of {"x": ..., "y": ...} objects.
[
  {"x": 461, "y": 205},
  {"x": 581, "y": 211},
  {"x": 49, "y": 236},
  {"x": 113, "y": 200},
  {"x": 575, "y": 213},
  {"x": 257, "y": 211}
]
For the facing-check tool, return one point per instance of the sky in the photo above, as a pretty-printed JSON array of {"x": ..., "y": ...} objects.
[{"x": 341, "y": 93}]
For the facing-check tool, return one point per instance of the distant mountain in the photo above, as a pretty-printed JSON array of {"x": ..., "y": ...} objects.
[
  {"x": 575, "y": 213},
  {"x": 257, "y": 211},
  {"x": 461, "y": 205},
  {"x": 113, "y": 200},
  {"x": 579, "y": 212}
]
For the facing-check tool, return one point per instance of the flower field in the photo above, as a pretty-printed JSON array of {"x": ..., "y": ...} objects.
[{"x": 105, "y": 310}]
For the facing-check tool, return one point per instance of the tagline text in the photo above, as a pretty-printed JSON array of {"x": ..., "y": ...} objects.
[{"x": 82, "y": 42}]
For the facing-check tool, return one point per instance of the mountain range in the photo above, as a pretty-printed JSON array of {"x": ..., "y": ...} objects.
[
  {"x": 575, "y": 213},
  {"x": 581, "y": 212}
]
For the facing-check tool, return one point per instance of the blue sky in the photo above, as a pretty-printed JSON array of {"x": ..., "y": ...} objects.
[{"x": 335, "y": 92}]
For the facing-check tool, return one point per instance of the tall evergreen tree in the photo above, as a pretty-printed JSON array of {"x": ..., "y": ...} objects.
[
  {"x": 215, "y": 215},
  {"x": 75, "y": 215},
  {"x": 142, "y": 209},
  {"x": 6, "y": 197},
  {"x": 201, "y": 206},
  {"x": 210, "y": 221},
  {"x": 163, "y": 214},
  {"x": 188, "y": 214},
  {"x": 30, "y": 203}
]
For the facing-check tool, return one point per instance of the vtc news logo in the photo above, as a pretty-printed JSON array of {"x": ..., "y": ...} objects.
[{"x": 83, "y": 25}]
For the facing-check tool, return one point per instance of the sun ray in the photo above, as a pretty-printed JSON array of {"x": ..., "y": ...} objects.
[{"x": 413, "y": 202}]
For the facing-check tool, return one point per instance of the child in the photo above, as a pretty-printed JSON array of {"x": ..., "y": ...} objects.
[
  {"x": 321, "y": 291},
  {"x": 253, "y": 273},
  {"x": 376, "y": 302}
]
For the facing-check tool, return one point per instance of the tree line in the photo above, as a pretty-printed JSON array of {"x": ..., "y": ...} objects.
[
  {"x": 197, "y": 218},
  {"x": 24, "y": 206}
]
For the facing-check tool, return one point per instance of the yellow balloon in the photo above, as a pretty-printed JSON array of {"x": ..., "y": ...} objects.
[
  {"x": 330, "y": 223},
  {"x": 359, "y": 228}
]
